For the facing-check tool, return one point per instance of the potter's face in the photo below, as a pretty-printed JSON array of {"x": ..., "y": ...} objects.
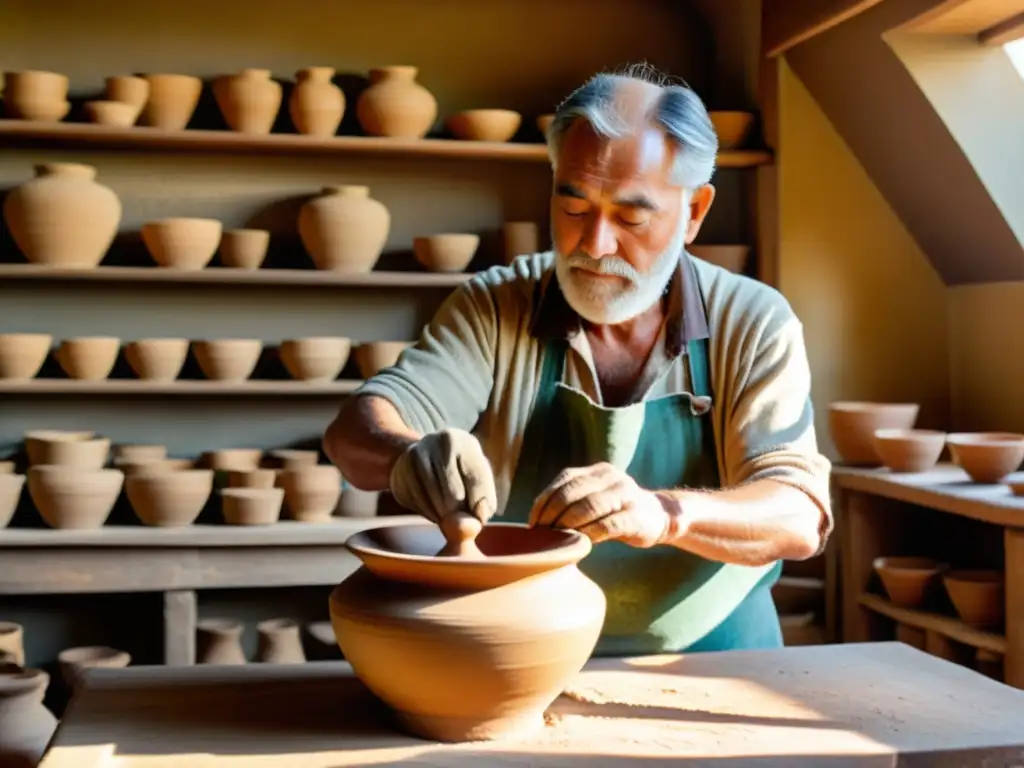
[{"x": 618, "y": 222}]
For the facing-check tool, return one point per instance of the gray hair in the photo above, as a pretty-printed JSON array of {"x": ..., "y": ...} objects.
[{"x": 679, "y": 112}]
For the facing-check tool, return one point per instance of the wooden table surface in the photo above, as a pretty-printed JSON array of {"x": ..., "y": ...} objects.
[{"x": 880, "y": 704}]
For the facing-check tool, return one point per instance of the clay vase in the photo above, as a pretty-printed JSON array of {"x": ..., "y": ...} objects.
[
  {"x": 249, "y": 100},
  {"x": 88, "y": 214},
  {"x": 395, "y": 105},
  {"x": 474, "y": 648},
  {"x": 11, "y": 486},
  {"x": 26, "y": 726},
  {"x": 12, "y": 642},
  {"x": 316, "y": 105},
  {"x": 74, "y": 662},
  {"x": 279, "y": 642},
  {"x": 36, "y": 95},
  {"x": 344, "y": 229},
  {"x": 219, "y": 641},
  {"x": 172, "y": 100}
]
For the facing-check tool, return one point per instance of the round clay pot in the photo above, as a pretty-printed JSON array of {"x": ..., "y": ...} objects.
[
  {"x": 445, "y": 253},
  {"x": 252, "y": 478},
  {"x": 519, "y": 238},
  {"x": 66, "y": 449},
  {"x": 730, "y": 257},
  {"x": 219, "y": 641},
  {"x": 907, "y": 580},
  {"x": 117, "y": 114},
  {"x": 987, "y": 457},
  {"x": 89, "y": 214},
  {"x": 233, "y": 459},
  {"x": 249, "y": 100},
  {"x": 358, "y": 503},
  {"x": 279, "y": 642},
  {"x": 89, "y": 358},
  {"x": 475, "y": 648},
  {"x": 227, "y": 359},
  {"x": 251, "y": 506},
  {"x": 485, "y": 124},
  {"x": 75, "y": 662},
  {"x": 12, "y": 642},
  {"x": 23, "y": 354},
  {"x": 853, "y": 425},
  {"x": 10, "y": 494},
  {"x": 73, "y": 498},
  {"x": 172, "y": 100},
  {"x": 182, "y": 243},
  {"x": 316, "y": 105},
  {"x": 157, "y": 359},
  {"x": 317, "y": 358},
  {"x": 26, "y": 726},
  {"x": 544, "y": 123},
  {"x": 36, "y": 95},
  {"x": 169, "y": 499},
  {"x": 311, "y": 493},
  {"x": 139, "y": 454},
  {"x": 374, "y": 356},
  {"x": 909, "y": 450},
  {"x": 731, "y": 127},
  {"x": 156, "y": 465},
  {"x": 291, "y": 458},
  {"x": 128, "y": 89},
  {"x": 395, "y": 105},
  {"x": 244, "y": 248},
  {"x": 979, "y": 596},
  {"x": 344, "y": 229}
]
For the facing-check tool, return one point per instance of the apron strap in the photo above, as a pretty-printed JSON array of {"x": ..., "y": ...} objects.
[
  {"x": 700, "y": 377},
  {"x": 535, "y": 436}
]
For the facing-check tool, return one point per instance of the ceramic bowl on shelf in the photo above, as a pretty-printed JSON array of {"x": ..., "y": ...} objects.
[
  {"x": 36, "y": 95},
  {"x": 89, "y": 358},
  {"x": 244, "y": 248},
  {"x": 66, "y": 449},
  {"x": 731, "y": 257},
  {"x": 987, "y": 457},
  {"x": 373, "y": 357},
  {"x": 74, "y": 662},
  {"x": 909, "y": 450},
  {"x": 172, "y": 100},
  {"x": 311, "y": 493},
  {"x": 74, "y": 497},
  {"x": 315, "y": 358},
  {"x": 169, "y": 499},
  {"x": 445, "y": 252},
  {"x": 852, "y": 425},
  {"x": 251, "y": 506},
  {"x": 11, "y": 486},
  {"x": 978, "y": 596},
  {"x": 485, "y": 124},
  {"x": 233, "y": 459},
  {"x": 157, "y": 359},
  {"x": 293, "y": 458},
  {"x": 137, "y": 454},
  {"x": 117, "y": 114},
  {"x": 252, "y": 478},
  {"x": 733, "y": 127},
  {"x": 155, "y": 465},
  {"x": 181, "y": 242},
  {"x": 227, "y": 359},
  {"x": 908, "y": 580},
  {"x": 23, "y": 354}
]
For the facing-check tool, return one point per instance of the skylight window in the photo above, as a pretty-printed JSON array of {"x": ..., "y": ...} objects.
[{"x": 1015, "y": 50}]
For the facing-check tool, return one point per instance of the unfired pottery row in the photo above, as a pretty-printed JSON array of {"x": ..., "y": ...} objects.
[{"x": 219, "y": 641}]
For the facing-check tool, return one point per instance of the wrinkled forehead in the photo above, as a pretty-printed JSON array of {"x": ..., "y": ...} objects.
[{"x": 644, "y": 156}]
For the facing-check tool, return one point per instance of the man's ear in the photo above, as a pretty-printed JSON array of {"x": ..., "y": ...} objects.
[{"x": 700, "y": 204}]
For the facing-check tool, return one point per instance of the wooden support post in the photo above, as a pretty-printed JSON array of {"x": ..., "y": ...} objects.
[
  {"x": 180, "y": 617},
  {"x": 861, "y": 541},
  {"x": 1013, "y": 663}
]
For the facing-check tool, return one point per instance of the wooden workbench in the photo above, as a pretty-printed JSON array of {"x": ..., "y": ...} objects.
[{"x": 881, "y": 704}]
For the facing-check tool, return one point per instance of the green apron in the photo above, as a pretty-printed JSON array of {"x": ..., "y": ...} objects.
[{"x": 661, "y": 599}]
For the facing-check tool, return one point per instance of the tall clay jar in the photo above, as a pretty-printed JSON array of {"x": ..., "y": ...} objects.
[
  {"x": 279, "y": 642},
  {"x": 316, "y": 105},
  {"x": 344, "y": 229},
  {"x": 63, "y": 217},
  {"x": 395, "y": 105},
  {"x": 219, "y": 641},
  {"x": 26, "y": 726},
  {"x": 249, "y": 101}
]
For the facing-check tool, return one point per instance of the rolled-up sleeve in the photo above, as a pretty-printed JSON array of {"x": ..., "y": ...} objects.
[{"x": 445, "y": 380}]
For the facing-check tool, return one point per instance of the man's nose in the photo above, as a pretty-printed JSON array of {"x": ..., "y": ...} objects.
[{"x": 599, "y": 239}]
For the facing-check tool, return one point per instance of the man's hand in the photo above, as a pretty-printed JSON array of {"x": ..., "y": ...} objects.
[
  {"x": 442, "y": 473},
  {"x": 605, "y": 504}
]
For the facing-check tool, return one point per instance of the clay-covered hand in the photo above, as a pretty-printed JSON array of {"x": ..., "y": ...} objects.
[
  {"x": 605, "y": 504},
  {"x": 442, "y": 473}
]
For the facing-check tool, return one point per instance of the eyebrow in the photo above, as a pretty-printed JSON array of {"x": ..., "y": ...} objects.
[
  {"x": 633, "y": 201},
  {"x": 568, "y": 190}
]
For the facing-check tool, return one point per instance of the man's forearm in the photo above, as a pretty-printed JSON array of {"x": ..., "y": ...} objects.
[
  {"x": 365, "y": 440},
  {"x": 752, "y": 524}
]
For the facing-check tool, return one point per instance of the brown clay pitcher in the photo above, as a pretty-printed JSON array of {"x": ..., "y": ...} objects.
[
  {"x": 395, "y": 105},
  {"x": 316, "y": 105}
]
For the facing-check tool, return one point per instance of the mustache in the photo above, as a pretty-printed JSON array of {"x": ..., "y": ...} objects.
[{"x": 615, "y": 266}]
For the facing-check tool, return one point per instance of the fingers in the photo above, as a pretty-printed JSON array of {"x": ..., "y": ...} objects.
[
  {"x": 481, "y": 493},
  {"x": 569, "y": 487}
]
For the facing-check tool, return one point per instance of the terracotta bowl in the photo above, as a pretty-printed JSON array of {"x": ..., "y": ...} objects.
[
  {"x": 23, "y": 354},
  {"x": 907, "y": 580},
  {"x": 36, "y": 95},
  {"x": 157, "y": 359},
  {"x": 292, "y": 458},
  {"x": 374, "y": 356},
  {"x": 732, "y": 127},
  {"x": 853, "y": 425},
  {"x": 909, "y": 450},
  {"x": 311, "y": 493},
  {"x": 155, "y": 465},
  {"x": 114, "y": 113},
  {"x": 11, "y": 486},
  {"x": 485, "y": 124},
  {"x": 987, "y": 457},
  {"x": 544, "y": 123},
  {"x": 731, "y": 257},
  {"x": 251, "y": 506},
  {"x": 75, "y": 662},
  {"x": 169, "y": 499},
  {"x": 445, "y": 253},
  {"x": 252, "y": 478},
  {"x": 138, "y": 454},
  {"x": 979, "y": 596},
  {"x": 228, "y": 359},
  {"x": 316, "y": 358},
  {"x": 182, "y": 243},
  {"x": 90, "y": 358},
  {"x": 233, "y": 459},
  {"x": 72, "y": 497},
  {"x": 68, "y": 449},
  {"x": 244, "y": 248}
]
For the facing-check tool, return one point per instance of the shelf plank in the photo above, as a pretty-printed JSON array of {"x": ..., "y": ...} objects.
[
  {"x": 182, "y": 387},
  {"x": 946, "y": 488},
  {"x": 936, "y": 622},
  {"x": 89, "y": 135}
]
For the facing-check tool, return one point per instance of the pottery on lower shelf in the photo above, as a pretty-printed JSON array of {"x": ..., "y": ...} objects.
[
  {"x": 23, "y": 354},
  {"x": 75, "y": 662},
  {"x": 252, "y": 478},
  {"x": 979, "y": 596},
  {"x": 315, "y": 358},
  {"x": 732, "y": 127},
  {"x": 172, "y": 100},
  {"x": 251, "y": 506},
  {"x": 33, "y": 94},
  {"x": 73, "y": 498},
  {"x": 26, "y": 726},
  {"x": 344, "y": 229},
  {"x": 311, "y": 493},
  {"x": 852, "y": 425},
  {"x": 987, "y": 457},
  {"x": 485, "y": 124},
  {"x": 12, "y": 642},
  {"x": 372, "y": 357},
  {"x": 137, "y": 454},
  {"x": 396, "y": 105},
  {"x": 157, "y": 359},
  {"x": 227, "y": 359},
  {"x": 475, "y": 648},
  {"x": 233, "y": 459},
  {"x": 182, "y": 242},
  {"x": 117, "y": 114},
  {"x": 128, "y": 89},
  {"x": 82, "y": 450},
  {"x": 219, "y": 641},
  {"x": 316, "y": 105},
  {"x": 89, "y": 358},
  {"x": 908, "y": 580},
  {"x": 293, "y": 458},
  {"x": 446, "y": 252},
  {"x": 11, "y": 486},
  {"x": 519, "y": 238},
  {"x": 169, "y": 499},
  {"x": 244, "y": 248},
  {"x": 909, "y": 450},
  {"x": 249, "y": 101},
  {"x": 89, "y": 214},
  {"x": 731, "y": 257},
  {"x": 279, "y": 642}
]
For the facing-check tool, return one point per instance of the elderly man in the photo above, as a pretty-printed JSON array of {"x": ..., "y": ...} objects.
[{"x": 618, "y": 387}]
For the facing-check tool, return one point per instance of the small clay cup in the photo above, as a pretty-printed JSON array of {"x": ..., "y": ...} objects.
[
  {"x": 169, "y": 499},
  {"x": 853, "y": 424},
  {"x": 732, "y": 127},
  {"x": 315, "y": 358},
  {"x": 244, "y": 248},
  {"x": 311, "y": 493},
  {"x": 909, "y": 450},
  {"x": 139, "y": 454},
  {"x": 251, "y": 506},
  {"x": 157, "y": 359},
  {"x": 116, "y": 114},
  {"x": 252, "y": 478},
  {"x": 987, "y": 457},
  {"x": 292, "y": 458},
  {"x": 447, "y": 252},
  {"x": 69, "y": 449},
  {"x": 23, "y": 354},
  {"x": 12, "y": 642},
  {"x": 228, "y": 359},
  {"x": 979, "y": 596},
  {"x": 182, "y": 243},
  {"x": 279, "y": 642},
  {"x": 907, "y": 580},
  {"x": 89, "y": 358},
  {"x": 485, "y": 124}
]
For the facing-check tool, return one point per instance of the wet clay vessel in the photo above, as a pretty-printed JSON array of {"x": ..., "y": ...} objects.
[{"x": 467, "y": 648}]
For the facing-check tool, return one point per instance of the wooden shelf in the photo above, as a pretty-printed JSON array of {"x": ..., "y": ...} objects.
[
  {"x": 184, "y": 387},
  {"x": 936, "y": 622},
  {"x": 89, "y": 135}
]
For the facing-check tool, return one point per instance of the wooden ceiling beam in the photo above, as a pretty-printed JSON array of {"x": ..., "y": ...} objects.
[
  {"x": 1004, "y": 32},
  {"x": 786, "y": 23}
]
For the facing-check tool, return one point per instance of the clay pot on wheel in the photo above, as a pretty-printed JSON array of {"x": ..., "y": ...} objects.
[
  {"x": 316, "y": 105},
  {"x": 279, "y": 642},
  {"x": 26, "y": 726},
  {"x": 219, "y": 641},
  {"x": 474, "y": 648},
  {"x": 75, "y": 662},
  {"x": 395, "y": 105},
  {"x": 344, "y": 229},
  {"x": 852, "y": 426},
  {"x": 22, "y": 354},
  {"x": 249, "y": 101}
]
